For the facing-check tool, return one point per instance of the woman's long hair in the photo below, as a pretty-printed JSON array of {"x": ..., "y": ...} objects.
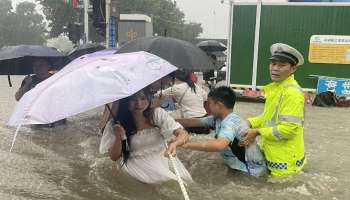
[
  {"x": 185, "y": 77},
  {"x": 126, "y": 119}
]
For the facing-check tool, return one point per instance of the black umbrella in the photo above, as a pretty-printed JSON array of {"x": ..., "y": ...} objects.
[
  {"x": 17, "y": 60},
  {"x": 219, "y": 57},
  {"x": 182, "y": 54},
  {"x": 211, "y": 45},
  {"x": 84, "y": 49}
]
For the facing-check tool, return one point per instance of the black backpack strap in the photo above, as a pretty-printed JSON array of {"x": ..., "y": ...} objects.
[{"x": 238, "y": 151}]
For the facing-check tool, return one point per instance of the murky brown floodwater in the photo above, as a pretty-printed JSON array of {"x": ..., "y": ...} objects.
[{"x": 63, "y": 163}]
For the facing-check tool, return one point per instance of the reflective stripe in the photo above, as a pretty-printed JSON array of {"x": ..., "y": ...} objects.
[
  {"x": 291, "y": 118},
  {"x": 301, "y": 90},
  {"x": 277, "y": 165},
  {"x": 272, "y": 121},
  {"x": 300, "y": 162},
  {"x": 287, "y": 118},
  {"x": 277, "y": 134}
]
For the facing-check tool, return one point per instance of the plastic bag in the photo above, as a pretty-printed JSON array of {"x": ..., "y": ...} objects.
[{"x": 255, "y": 160}]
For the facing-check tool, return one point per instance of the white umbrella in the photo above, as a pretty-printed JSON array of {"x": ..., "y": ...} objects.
[{"x": 86, "y": 83}]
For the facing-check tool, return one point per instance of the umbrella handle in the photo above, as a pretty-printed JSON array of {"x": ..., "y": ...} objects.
[
  {"x": 9, "y": 80},
  {"x": 110, "y": 112}
]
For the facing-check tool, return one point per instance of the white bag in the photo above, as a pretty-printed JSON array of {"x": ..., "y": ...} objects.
[{"x": 255, "y": 159}]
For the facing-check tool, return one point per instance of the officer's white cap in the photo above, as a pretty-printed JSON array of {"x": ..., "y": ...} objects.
[{"x": 285, "y": 53}]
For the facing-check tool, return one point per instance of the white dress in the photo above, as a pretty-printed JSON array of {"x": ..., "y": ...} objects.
[{"x": 147, "y": 162}]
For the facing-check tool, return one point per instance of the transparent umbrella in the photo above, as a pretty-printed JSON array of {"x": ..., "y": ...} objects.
[{"x": 87, "y": 83}]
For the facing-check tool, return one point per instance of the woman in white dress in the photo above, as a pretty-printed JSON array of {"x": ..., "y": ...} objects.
[{"x": 138, "y": 134}]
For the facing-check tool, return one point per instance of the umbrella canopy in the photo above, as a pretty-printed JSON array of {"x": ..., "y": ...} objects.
[
  {"x": 182, "y": 54},
  {"x": 17, "y": 60},
  {"x": 211, "y": 45},
  {"x": 102, "y": 52},
  {"x": 84, "y": 49},
  {"x": 87, "y": 83}
]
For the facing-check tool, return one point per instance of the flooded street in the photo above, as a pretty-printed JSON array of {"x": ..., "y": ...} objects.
[{"x": 64, "y": 163}]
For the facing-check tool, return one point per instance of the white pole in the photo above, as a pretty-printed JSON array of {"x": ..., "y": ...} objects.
[
  {"x": 108, "y": 14},
  {"x": 86, "y": 21},
  {"x": 256, "y": 44},
  {"x": 229, "y": 46}
]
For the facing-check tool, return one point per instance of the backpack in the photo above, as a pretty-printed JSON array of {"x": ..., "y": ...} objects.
[
  {"x": 325, "y": 99},
  {"x": 343, "y": 102}
]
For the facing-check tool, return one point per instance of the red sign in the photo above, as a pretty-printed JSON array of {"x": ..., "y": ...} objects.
[{"x": 74, "y": 3}]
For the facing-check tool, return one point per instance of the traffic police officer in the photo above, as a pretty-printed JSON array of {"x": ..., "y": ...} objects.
[{"x": 281, "y": 125}]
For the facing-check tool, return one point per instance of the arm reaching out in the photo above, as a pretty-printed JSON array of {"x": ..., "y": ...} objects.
[
  {"x": 212, "y": 145},
  {"x": 189, "y": 122}
]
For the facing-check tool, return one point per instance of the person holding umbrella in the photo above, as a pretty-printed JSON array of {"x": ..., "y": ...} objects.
[
  {"x": 18, "y": 60},
  {"x": 137, "y": 134},
  {"x": 41, "y": 71}
]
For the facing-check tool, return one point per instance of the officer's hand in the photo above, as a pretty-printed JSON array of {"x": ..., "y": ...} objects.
[{"x": 248, "y": 137}]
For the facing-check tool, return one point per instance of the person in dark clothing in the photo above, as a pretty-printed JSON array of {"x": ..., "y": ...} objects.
[{"x": 41, "y": 69}]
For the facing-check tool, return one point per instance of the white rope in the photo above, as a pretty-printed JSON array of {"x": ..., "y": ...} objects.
[
  {"x": 181, "y": 183},
  {"x": 179, "y": 179}
]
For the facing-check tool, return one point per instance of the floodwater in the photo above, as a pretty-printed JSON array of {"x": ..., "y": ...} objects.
[{"x": 63, "y": 163}]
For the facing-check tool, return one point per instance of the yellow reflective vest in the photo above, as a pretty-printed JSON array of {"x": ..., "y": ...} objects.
[{"x": 281, "y": 127}]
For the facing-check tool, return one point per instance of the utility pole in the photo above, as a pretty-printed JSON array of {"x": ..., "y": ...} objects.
[
  {"x": 114, "y": 8},
  {"x": 112, "y": 16},
  {"x": 86, "y": 21},
  {"x": 108, "y": 11}
]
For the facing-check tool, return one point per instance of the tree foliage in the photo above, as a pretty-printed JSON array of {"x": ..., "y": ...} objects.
[
  {"x": 59, "y": 14},
  {"x": 166, "y": 16},
  {"x": 22, "y": 25}
]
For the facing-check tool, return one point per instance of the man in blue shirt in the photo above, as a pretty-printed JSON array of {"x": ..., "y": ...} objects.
[{"x": 229, "y": 128}]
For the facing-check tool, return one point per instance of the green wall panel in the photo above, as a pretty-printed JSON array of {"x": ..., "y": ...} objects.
[
  {"x": 293, "y": 25},
  {"x": 242, "y": 44}
]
